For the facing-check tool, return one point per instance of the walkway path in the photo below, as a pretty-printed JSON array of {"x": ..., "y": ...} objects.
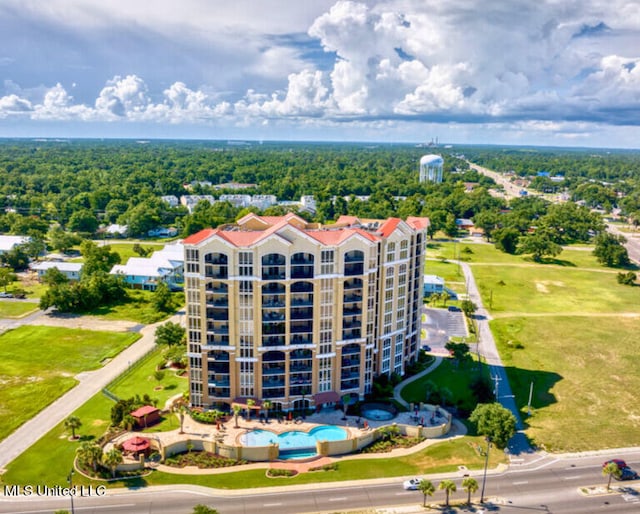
[
  {"x": 487, "y": 349},
  {"x": 90, "y": 383}
]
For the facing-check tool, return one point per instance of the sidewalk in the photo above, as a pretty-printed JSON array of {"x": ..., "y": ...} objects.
[{"x": 90, "y": 383}]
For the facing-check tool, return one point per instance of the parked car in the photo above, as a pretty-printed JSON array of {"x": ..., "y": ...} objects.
[
  {"x": 411, "y": 484},
  {"x": 453, "y": 308},
  {"x": 426, "y": 347},
  {"x": 626, "y": 474},
  {"x": 618, "y": 462},
  {"x": 5, "y": 295}
]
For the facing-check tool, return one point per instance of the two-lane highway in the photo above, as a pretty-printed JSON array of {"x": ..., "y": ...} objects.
[{"x": 550, "y": 485}]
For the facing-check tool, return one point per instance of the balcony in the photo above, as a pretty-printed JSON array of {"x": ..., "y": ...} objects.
[
  {"x": 352, "y": 298},
  {"x": 355, "y": 283},
  {"x": 352, "y": 311},
  {"x": 218, "y": 328},
  {"x": 218, "y": 314},
  {"x": 301, "y": 313},
  {"x": 217, "y": 340},
  {"x": 216, "y": 258},
  {"x": 272, "y": 382},
  {"x": 297, "y": 340},
  {"x": 346, "y": 385},
  {"x": 301, "y": 271},
  {"x": 217, "y": 288},
  {"x": 273, "y": 302},
  {"x": 217, "y": 302},
  {"x": 273, "y": 393},
  {"x": 300, "y": 300},
  {"x": 271, "y": 316},
  {"x": 349, "y": 325},
  {"x": 351, "y": 334},
  {"x": 273, "y": 328},
  {"x": 217, "y": 272},
  {"x": 300, "y": 367},
  {"x": 218, "y": 367},
  {"x": 351, "y": 350},
  {"x": 273, "y": 341},
  {"x": 218, "y": 381},
  {"x": 301, "y": 327},
  {"x": 219, "y": 392},
  {"x": 275, "y": 370},
  {"x": 274, "y": 273},
  {"x": 356, "y": 268},
  {"x": 354, "y": 256}
]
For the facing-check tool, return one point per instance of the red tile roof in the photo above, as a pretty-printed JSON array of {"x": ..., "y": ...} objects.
[
  {"x": 198, "y": 237},
  {"x": 144, "y": 411},
  {"x": 389, "y": 226},
  {"x": 418, "y": 223}
]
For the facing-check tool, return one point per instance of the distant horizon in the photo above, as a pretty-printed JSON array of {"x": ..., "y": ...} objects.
[
  {"x": 546, "y": 73},
  {"x": 425, "y": 145}
]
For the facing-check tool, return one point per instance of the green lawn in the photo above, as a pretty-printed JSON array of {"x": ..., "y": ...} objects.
[
  {"x": 37, "y": 365},
  {"x": 139, "y": 308},
  {"x": 16, "y": 309},
  {"x": 585, "y": 375},
  {"x": 484, "y": 253},
  {"x": 141, "y": 378},
  {"x": 447, "y": 270},
  {"x": 125, "y": 249},
  {"x": 550, "y": 289}
]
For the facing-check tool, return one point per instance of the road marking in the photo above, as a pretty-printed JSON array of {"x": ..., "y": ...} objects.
[
  {"x": 573, "y": 478},
  {"x": 271, "y": 504},
  {"x": 522, "y": 482},
  {"x": 338, "y": 499},
  {"x": 404, "y": 493}
]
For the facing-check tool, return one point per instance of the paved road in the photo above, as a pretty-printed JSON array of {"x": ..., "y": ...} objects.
[
  {"x": 550, "y": 484},
  {"x": 90, "y": 383},
  {"x": 518, "y": 446},
  {"x": 633, "y": 242}
]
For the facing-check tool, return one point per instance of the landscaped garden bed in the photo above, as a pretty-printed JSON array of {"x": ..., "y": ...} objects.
[{"x": 203, "y": 460}]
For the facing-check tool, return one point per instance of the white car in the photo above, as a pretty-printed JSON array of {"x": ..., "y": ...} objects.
[{"x": 411, "y": 484}]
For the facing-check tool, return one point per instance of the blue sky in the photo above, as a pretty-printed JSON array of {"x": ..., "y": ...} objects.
[{"x": 563, "y": 73}]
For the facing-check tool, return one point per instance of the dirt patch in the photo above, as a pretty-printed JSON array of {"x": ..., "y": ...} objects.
[
  {"x": 85, "y": 322},
  {"x": 541, "y": 286}
]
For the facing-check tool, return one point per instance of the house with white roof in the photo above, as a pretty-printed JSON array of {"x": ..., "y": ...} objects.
[
  {"x": 8, "y": 243},
  {"x": 71, "y": 270},
  {"x": 166, "y": 265}
]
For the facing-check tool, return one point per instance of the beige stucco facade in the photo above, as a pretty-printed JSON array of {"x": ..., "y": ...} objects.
[{"x": 297, "y": 314}]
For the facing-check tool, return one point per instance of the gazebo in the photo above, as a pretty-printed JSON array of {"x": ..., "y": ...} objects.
[{"x": 136, "y": 445}]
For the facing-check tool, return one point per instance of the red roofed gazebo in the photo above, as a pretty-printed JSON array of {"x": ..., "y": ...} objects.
[
  {"x": 146, "y": 415},
  {"x": 136, "y": 445}
]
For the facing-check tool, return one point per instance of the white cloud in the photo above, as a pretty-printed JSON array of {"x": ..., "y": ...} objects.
[
  {"x": 384, "y": 61},
  {"x": 13, "y": 104}
]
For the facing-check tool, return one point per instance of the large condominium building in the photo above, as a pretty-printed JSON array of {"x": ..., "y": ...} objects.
[{"x": 300, "y": 314}]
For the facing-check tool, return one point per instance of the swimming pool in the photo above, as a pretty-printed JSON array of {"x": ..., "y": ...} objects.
[{"x": 294, "y": 439}]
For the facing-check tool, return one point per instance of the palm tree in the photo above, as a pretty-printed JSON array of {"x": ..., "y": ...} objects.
[
  {"x": 128, "y": 421},
  {"x": 427, "y": 489},
  {"x": 250, "y": 405},
  {"x": 89, "y": 453},
  {"x": 471, "y": 485},
  {"x": 236, "y": 413},
  {"x": 111, "y": 459},
  {"x": 266, "y": 405},
  {"x": 449, "y": 487},
  {"x": 613, "y": 470},
  {"x": 444, "y": 296},
  {"x": 72, "y": 423}
]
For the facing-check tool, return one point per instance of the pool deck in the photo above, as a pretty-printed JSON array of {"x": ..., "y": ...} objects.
[{"x": 229, "y": 434}]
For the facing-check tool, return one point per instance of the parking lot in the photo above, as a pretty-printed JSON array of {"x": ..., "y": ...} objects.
[{"x": 441, "y": 324}]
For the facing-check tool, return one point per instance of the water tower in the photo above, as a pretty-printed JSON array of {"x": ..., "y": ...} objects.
[{"x": 431, "y": 168}]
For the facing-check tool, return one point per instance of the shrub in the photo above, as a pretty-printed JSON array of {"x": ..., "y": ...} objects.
[
  {"x": 210, "y": 417},
  {"x": 281, "y": 473}
]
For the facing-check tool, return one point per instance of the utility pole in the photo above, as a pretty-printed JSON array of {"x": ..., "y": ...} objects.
[
  {"x": 486, "y": 463},
  {"x": 496, "y": 379},
  {"x": 530, "y": 396}
]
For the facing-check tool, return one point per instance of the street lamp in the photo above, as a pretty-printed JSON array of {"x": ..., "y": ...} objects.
[
  {"x": 486, "y": 463},
  {"x": 70, "y": 480}
]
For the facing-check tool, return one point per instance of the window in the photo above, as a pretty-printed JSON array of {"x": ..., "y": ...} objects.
[
  {"x": 327, "y": 262},
  {"x": 391, "y": 252},
  {"x": 403, "y": 249},
  {"x": 245, "y": 260}
]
